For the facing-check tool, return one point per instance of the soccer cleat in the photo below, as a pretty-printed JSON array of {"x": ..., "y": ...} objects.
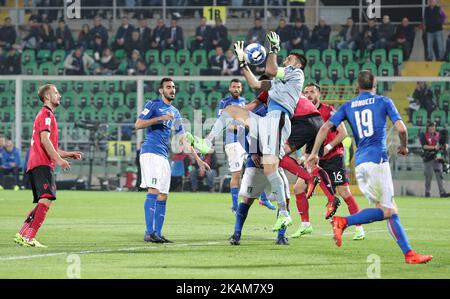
[
  {"x": 18, "y": 239},
  {"x": 235, "y": 239},
  {"x": 332, "y": 207},
  {"x": 282, "y": 222},
  {"x": 339, "y": 224},
  {"x": 311, "y": 186},
  {"x": 200, "y": 144},
  {"x": 153, "y": 237},
  {"x": 16, "y": 188},
  {"x": 302, "y": 230},
  {"x": 165, "y": 240},
  {"x": 267, "y": 204},
  {"x": 412, "y": 257},
  {"x": 233, "y": 210},
  {"x": 147, "y": 237},
  {"x": 359, "y": 235},
  {"x": 32, "y": 243},
  {"x": 282, "y": 241}
]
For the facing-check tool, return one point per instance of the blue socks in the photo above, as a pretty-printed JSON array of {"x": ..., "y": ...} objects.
[
  {"x": 235, "y": 197},
  {"x": 149, "y": 210},
  {"x": 365, "y": 216},
  {"x": 264, "y": 196},
  {"x": 160, "y": 214},
  {"x": 397, "y": 231},
  {"x": 241, "y": 215}
]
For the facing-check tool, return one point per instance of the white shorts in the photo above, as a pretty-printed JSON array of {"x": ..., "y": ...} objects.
[
  {"x": 235, "y": 155},
  {"x": 375, "y": 182},
  {"x": 272, "y": 130},
  {"x": 155, "y": 172},
  {"x": 254, "y": 182}
]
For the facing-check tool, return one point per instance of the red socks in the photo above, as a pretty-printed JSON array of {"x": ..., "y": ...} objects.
[
  {"x": 325, "y": 183},
  {"x": 352, "y": 205},
  {"x": 302, "y": 206},
  {"x": 28, "y": 221},
  {"x": 292, "y": 166},
  {"x": 36, "y": 222}
]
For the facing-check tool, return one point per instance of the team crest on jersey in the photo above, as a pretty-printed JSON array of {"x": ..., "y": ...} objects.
[
  {"x": 48, "y": 121},
  {"x": 146, "y": 111},
  {"x": 45, "y": 186}
]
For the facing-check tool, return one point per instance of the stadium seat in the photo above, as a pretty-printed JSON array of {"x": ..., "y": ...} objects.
[
  {"x": 120, "y": 54},
  {"x": 96, "y": 86},
  {"x": 318, "y": 71},
  {"x": 385, "y": 69},
  {"x": 111, "y": 86},
  {"x": 30, "y": 68},
  {"x": 88, "y": 114},
  {"x": 313, "y": 57},
  {"x": 183, "y": 56},
  {"x": 65, "y": 86},
  {"x": 419, "y": 117},
  {"x": 44, "y": 55},
  {"x": 152, "y": 95},
  {"x": 211, "y": 53},
  {"x": 47, "y": 69},
  {"x": 413, "y": 133},
  {"x": 396, "y": 59},
  {"x": 84, "y": 99},
  {"x": 58, "y": 56},
  {"x": 328, "y": 89},
  {"x": 7, "y": 114},
  {"x": 437, "y": 88},
  {"x": 198, "y": 100},
  {"x": 371, "y": 67},
  {"x": 80, "y": 86},
  {"x": 5, "y": 85},
  {"x": 328, "y": 57},
  {"x": 344, "y": 89},
  {"x": 199, "y": 56},
  {"x": 281, "y": 56},
  {"x": 335, "y": 71},
  {"x": 69, "y": 99},
  {"x": 6, "y": 99},
  {"x": 249, "y": 96},
  {"x": 445, "y": 69},
  {"x": 100, "y": 99},
  {"x": 187, "y": 69},
  {"x": 209, "y": 85},
  {"x": 28, "y": 56},
  {"x": 172, "y": 69},
  {"x": 307, "y": 72},
  {"x": 214, "y": 99},
  {"x": 183, "y": 99},
  {"x": 378, "y": 56},
  {"x": 26, "y": 131},
  {"x": 152, "y": 56},
  {"x": 444, "y": 102},
  {"x": 156, "y": 69},
  {"x": 192, "y": 86},
  {"x": 105, "y": 114},
  {"x": 168, "y": 56},
  {"x": 122, "y": 68},
  {"x": 73, "y": 114},
  {"x": 116, "y": 100},
  {"x": 131, "y": 100},
  {"x": 187, "y": 113},
  {"x": 439, "y": 117},
  {"x": 119, "y": 113},
  {"x": 351, "y": 71},
  {"x": 201, "y": 68},
  {"x": 345, "y": 56},
  {"x": 59, "y": 69},
  {"x": 30, "y": 86}
]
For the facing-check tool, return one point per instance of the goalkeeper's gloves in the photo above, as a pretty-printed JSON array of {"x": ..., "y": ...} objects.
[
  {"x": 274, "y": 40},
  {"x": 239, "y": 50}
]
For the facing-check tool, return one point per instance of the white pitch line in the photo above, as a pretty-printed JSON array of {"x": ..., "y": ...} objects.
[{"x": 10, "y": 258}]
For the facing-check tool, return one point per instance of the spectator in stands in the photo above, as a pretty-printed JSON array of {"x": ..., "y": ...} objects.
[
  {"x": 425, "y": 96},
  {"x": 84, "y": 37},
  {"x": 386, "y": 33},
  {"x": 434, "y": 18},
  {"x": 404, "y": 37},
  {"x": 47, "y": 37},
  {"x": 7, "y": 34},
  {"x": 99, "y": 28},
  {"x": 368, "y": 37},
  {"x": 78, "y": 62},
  {"x": 200, "y": 173},
  {"x": 123, "y": 35},
  {"x": 298, "y": 10},
  {"x": 64, "y": 38},
  {"x": 107, "y": 65},
  {"x": 321, "y": 35},
  {"x": 2, "y": 145},
  {"x": 157, "y": 41},
  {"x": 174, "y": 38},
  {"x": 97, "y": 47},
  {"x": 31, "y": 40},
  {"x": 10, "y": 164},
  {"x": 220, "y": 35},
  {"x": 257, "y": 34},
  {"x": 141, "y": 68},
  {"x": 432, "y": 163},
  {"x": 300, "y": 36},
  {"x": 127, "y": 126},
  {"x": 285, "y": 33},
  {"x": 145, "y": 33},
  {"x": 230, "y": 65},
  {"x": 12, "y": 65},
  {"x": 216, "y": 63},
  {"x": 2, "y": 62},
  {"x": 132, "y": 62},
  {"x": 135, "y": 44},
  {"x": 348, "y": 35},
  {"x": 203, "y": 36}
]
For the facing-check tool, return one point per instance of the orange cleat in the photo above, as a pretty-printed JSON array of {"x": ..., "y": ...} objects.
[
  {"x": 339, "y": 224},
  {"x": 311, "y": 186},
  {"x": 412, "y": 257},
  {"x": 332, "y": 207}
]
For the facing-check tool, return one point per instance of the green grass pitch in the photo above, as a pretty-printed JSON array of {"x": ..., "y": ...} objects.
[{"x": 105, "y": 229}]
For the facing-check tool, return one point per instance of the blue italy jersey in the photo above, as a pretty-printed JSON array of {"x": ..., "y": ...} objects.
[
  {"x": 366, "y": 115},
  {"x": 158, "y": 135},
  {"x": 230, "y": 136},
  {"x": 261, "y": 110}
]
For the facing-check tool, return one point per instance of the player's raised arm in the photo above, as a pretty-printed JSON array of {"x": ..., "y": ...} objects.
[
  {"x": 248, "y": 74},
  {"x": 271, "y": 64}
]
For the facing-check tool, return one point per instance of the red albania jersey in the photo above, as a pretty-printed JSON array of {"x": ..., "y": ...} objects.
[
  {"x": 305, "y": 107},
  {"x": 326, "y": 111},
  {"x": 263, "y": 97},
  {"x": 45, "y": 121}
]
